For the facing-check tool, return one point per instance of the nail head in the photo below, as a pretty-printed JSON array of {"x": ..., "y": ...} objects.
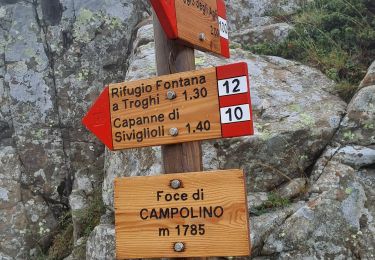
[
  {"x": 173, "y": 131},
  {"x": 175, "y": 184},
  {"x": 179, "y": 247}
]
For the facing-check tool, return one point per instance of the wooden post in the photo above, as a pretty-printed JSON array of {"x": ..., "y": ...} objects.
[{"x": 172, "y": 57}]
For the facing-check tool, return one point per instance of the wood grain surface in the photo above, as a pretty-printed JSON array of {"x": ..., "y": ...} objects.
[
  {"x": 139, "y": 234},
  {"x": 172, "y": 57},
  {"x": 193, "y": 110},
  {"x": 193, "y": 20}
]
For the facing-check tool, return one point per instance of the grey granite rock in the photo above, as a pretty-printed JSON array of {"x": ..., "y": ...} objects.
[
  {"x": 101, "y": 243},
  {"x": 358, "y": 126},
  {"x": 55, "y": 57},
  {"x": 262, "y": 34},
  {"x": 369, "y": 79}
]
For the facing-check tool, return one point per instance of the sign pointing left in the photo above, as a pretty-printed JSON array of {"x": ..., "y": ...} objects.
[
  {"x": 183, "y": 107},
  {"x": 98, "y": 119}
]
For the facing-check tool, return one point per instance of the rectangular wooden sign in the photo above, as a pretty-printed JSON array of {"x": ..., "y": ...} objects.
[
  {"x": 201, "y": 24},
  {"x": 190, "y": 106},
  {"x": 205, "y": 215}
]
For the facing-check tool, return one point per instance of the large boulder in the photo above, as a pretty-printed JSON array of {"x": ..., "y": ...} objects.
[
  {"x": 338, "y": 220},
  {"x": 295, "y": 118},
  {"x": 55, "y": 58}
]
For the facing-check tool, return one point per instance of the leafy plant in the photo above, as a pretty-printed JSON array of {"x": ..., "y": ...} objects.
[
  {"x": 335, "y": 36},
  {"x": 63, "y": 242},
  {"x": 274, "y": 201},
  {"x": 89, "y": 217}
]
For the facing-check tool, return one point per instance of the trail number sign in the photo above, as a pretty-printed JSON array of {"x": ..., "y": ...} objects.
[
  {"x": 182, "y": 215},
  {"x": 201, "y": 24},
  {"x": 190, "y": 106}
]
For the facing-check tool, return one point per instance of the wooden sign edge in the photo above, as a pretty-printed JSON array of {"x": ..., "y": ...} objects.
[
  {"x": 226, "y": 171},
  {"x": 168, "y": 19}
]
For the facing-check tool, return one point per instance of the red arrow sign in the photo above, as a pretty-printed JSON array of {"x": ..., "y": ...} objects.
[
  {"x": 200, "y": 23},
  {"x": 189, "y": 106}
]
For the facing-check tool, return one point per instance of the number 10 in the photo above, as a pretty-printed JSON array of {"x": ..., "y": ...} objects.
[{"x": 235, "y": 114}]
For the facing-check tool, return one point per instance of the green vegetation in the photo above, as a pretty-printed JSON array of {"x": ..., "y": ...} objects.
[
  {"x": 335, "y": 36},
  {"x": 63, "y": 242},
  {"x": 89, "y": 217},
  {"x": 274, "y": 201}
]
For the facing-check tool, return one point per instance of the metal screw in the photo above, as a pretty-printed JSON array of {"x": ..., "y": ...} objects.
[
  {"x": 202, "y": 37},
  {"x": 175, "y": 184},
  {"x": 179, "y": 247},
  {"x": 171, "y": 94},
  {"x": 173, "y": 131}
]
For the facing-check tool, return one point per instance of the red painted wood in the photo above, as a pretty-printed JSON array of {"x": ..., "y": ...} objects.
[
  {"x": 240, "y": 128},
  {"x": 232, "y": 70},
  {"x": 232, "y": 100},
  {"x": 98, "y": 119},
  {"x": 221, "y": 10},
  {"x": 237, "y": 129},
  {"x": 224, "y": 47},
  {"x": 166, "y": 12}
]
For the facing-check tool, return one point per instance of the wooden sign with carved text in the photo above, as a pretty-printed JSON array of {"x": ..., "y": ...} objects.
[
  {"x": 205, "y": 214},
  {"x": 201, "y": 24},
  {"x": 190, "y": 106}
]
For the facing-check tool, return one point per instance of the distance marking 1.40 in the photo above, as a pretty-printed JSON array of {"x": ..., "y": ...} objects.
[{"x": 196, "y": 105}]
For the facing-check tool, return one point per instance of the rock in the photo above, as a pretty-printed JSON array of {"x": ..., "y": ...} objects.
[
  {"x": 358, "y": 126},
  {"x": 133, "y": 162},
  {"x": 293, "y": 188},
  {"x": 295, "y": 115},
  {"x": 256, "y": 199},
  {"x": 12, "y": 210},
  {"x": 338, "y": 219},
  {"x": 262, "y": 226},
  {"x": 356, "y": 156},
  {"x": 262, "y": 34},
  {"x": 289, "y": 119},
  {"x": 55, "y": 58},
  {"x": 292, "y": 128},
  {"x": 5, "y": 257},
  {"x": 247, "y": 14},
  {"x": 101, "y": 243},
  {"x": 369, "y": 79}
]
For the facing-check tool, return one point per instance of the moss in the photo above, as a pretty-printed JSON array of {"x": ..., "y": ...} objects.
[
  {"x": 307, "y": 120},
  {"x": 83, "y": 75},
  {"x": 349, "y": 135},
  {"x": 85, "y": 16},
  {"x": 199, "y": 60},
  {"x": 273, "y": 202}
]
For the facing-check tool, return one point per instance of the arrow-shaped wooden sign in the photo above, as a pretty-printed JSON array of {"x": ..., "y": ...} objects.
[
  {"x": 201, "y": 24},
  {"x": 189, "y": 106}
]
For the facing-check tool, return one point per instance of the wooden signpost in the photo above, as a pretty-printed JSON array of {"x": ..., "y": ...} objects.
[
  {"x": 189, "y": 106},
  {"x": 182, "y": 215},
  {"x": 201, "y": 24}
]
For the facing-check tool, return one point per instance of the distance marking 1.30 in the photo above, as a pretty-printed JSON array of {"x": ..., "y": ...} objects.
[{"x": 189, "y": 106}]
